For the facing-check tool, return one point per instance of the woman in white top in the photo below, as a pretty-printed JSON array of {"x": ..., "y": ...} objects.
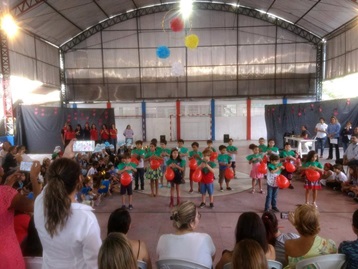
[
  {"x": 128, "y": 134},
  {"x": 185, "y": 244},
  {"x": 321, "y": 135},
  {"x": 69, "y": 231}
]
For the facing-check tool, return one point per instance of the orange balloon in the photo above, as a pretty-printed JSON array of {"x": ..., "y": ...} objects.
[
  {"x": 154, "y": 164},
  {"x": 290, "y": 167},
  {"x": 312, "y": 175},
  {"x": 229, "y": 173},
  {"x": 125, "y": 179},
  {"x": 282, "y": 182},
  {"x": 193, "y": 164},
  {"x": 197, "y": 175},
  {"x": 262, "y": 168},
  {"x": 134, "y": 160},
  {"x": 213, "y": 156},
  {"x": 169, "y": 174}
]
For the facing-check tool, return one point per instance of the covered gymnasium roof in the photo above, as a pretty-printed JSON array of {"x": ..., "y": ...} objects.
[{"x": 57, "y": 21}]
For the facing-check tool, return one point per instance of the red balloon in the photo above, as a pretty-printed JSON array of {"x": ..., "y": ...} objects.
[
  {"x": 229, "y": 173},
  {"x": 177, "y": 24},
  {"x": 134, "y": 160},
  {"x": 213, "y": 156},
  {"x": 126, "y": 179},
  {"x": 197, "y": 175},
  {"x": 262, "y": 168},
  {"x": 290, "y": 167},
  {"x": 312, "y": 175},
  {"x": 154, "y": 164},
  {"x": 282, "y": 182},
  {"x": 264, "y": 159},
  {"x": 193, "y": 164},
  {"x": 169, "y": 174}
]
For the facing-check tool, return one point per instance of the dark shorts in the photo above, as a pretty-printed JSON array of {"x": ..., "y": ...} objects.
[
  {"x": 126, "y": 189},
  {"x": 233, "y": 165}
]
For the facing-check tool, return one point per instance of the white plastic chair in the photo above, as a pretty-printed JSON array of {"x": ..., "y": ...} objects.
[
  {"x": 330, "y": 261},
  {"x": 227, "y": 265},
  {"x": 141, "y": 264},
  {"x": 179, "y": 264},
  {"x": 274, "y": 264}
]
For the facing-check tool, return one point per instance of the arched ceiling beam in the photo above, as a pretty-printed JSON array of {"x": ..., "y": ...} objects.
[
  {"x": 24, "y": 6},
  {"x": 197, "y": 5}
]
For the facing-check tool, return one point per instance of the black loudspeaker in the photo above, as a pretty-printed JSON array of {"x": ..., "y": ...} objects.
[
  {"x": 226, "y": 138},
  {"x": 162, "y": 138}
]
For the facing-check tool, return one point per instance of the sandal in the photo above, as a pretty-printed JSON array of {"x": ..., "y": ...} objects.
[{"x": 253, "y": 191}]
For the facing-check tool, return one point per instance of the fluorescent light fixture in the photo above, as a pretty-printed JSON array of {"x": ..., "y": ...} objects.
[
  {"x": 186, "y": 7},
  {"x": 8, "y": 25}
]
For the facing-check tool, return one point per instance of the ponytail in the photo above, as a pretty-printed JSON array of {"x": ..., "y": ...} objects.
[{"x": 63, "y": 177}]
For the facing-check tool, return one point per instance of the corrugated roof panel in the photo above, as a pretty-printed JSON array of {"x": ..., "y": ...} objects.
[
  {"x": 116, "y": 7},
  {"x": 83, "y": 13},
  {"x": 144, "y": 3},
  {"x": 256, "y": 4},
  {"x": 46, "y": 23}
]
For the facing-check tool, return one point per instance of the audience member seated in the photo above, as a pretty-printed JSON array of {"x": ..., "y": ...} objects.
[
  {"x": 10, "y": 162},
  {"x": 31, "y": 247},
  {"x": 248, "y": 254},
  {"x": 116, "y": 253},
  {"x": 275, "y": 237},
  {"x": 186, "y": 244},
  {"x": 328, "y": 174},
  {"x": 69, "y": 231},
  {"x": 352, "y": 188},
  {"x": 305, "y": 134},
  {"x": 350, "y": 248},
  {"x": 350, "y": 156},
  {"x": 340, "y": 180},
  {"x": 11, "y": 200},
  {"x": 249, "y": 226},
  {"x": 309, "y": 244},
  {"x": 120, "y": 221}
]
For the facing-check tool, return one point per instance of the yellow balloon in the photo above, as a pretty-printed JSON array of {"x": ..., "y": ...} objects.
[{"x": 192, "y": 41}]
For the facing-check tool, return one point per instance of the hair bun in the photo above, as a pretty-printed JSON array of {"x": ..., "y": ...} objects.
[{"x": 175, "y": 216}]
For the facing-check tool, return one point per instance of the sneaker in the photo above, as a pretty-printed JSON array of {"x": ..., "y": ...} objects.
[
  {"x": 351, "y": 194},
  {"x": 169, "y": 186},
  {"x": 130, "y": 207},
  {"x": 221, "y": 189},
  {"x": 160, "y": 186},
  {"x": 335, "y": 188},
  {"x": 191, "y": 191},
  {"x": 142, "y": 189},
  {"x": 136, "y": 188},
  {"x": 315, "y": 205},
  {"x": 123, "y": 207},
  {"x": 252, "y": 191},
  {"x": 291, "y": 187},
  {"x": 211, "y": 205},
  {"x": 229, "y": 188},
  {"x": 275, "y": 209},
  {"x": 262, "y": 192},
  {"x": 202, "y": 205}
]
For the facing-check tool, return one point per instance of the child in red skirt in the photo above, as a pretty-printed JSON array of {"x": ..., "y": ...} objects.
[{"x": 312, "y": 163}]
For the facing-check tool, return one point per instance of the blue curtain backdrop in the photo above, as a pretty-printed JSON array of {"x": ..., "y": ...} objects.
[
  {"x": 281, "y": 119},
  {"x": 39, "y": 128}
]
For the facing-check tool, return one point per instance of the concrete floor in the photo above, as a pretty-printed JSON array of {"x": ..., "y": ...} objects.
[{"x": 150, "y": 216}]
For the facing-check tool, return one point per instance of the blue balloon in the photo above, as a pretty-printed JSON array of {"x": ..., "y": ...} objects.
[{"x": 163, "y": 52}]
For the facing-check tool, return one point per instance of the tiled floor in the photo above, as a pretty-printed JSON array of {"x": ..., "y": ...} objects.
[{"x": 150, "y": 216}]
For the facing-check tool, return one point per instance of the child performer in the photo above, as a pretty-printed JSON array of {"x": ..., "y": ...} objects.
[
  {"x": 127, "y": 166},
  {"x": 271, "y": 149},
  {"x": 312, "y": 163},
  {"x": 153, "y": 174},
  {"x": 183, "y": 153},
  {"x": 209, "y": 144},
  {"x": 224, "y": 161},
  {"x": 139, "y": 153},
  {"x": 207, "y": 182},
  {"x": 232, "y": 150},
  {"x": 177, "y": 164},
  {"x": 289, "y": 156},
  {"x": 262, "y": 145},
  {"x": 340, "y": 178},
  {"x": 274, "y": 169},
  {"x": 255, "y": 159},
  {"x": 165, "y": 154},
  {"x": 197, "y": 155}
]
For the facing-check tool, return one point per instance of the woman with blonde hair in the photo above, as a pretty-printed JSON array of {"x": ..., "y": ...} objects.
[
  {"x": 116, "y": 253},
  {"x": 69, "y": 231},
  {"x": 185, "y": 244},
  {"x": 248, "y": 254},
  {"x": 309, "y": 244}
]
